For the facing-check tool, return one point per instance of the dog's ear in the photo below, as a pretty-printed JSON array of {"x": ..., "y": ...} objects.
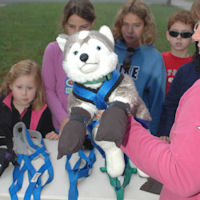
[
  {"x": 105, "y": 30},
  {"x": 61, "y": 40}
]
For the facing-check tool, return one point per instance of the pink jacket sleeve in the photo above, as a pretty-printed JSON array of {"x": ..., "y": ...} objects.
[
  {"x": 176, "y": 165},
  {"x": 51, "y": 62}
]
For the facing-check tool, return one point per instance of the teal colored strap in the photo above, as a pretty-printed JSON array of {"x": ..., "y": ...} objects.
[
  {"x": 119, "y": 189},
  {"x": 100, "y": 80},
  {"x": 128, "y": 171}
]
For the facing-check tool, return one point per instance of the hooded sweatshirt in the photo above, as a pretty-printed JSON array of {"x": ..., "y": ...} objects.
[{"x": 149, "y": 74}]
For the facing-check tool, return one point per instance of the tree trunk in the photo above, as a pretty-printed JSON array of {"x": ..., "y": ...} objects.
[{"x": 169, "y": 2}]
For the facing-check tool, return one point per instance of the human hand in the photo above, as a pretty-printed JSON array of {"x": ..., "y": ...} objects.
[
  {"x": 165, "y": 138},
  {"x": 62, "y": 125},
  {"x": 99, "y": 114},
  {"x": 52, "y": 136}
]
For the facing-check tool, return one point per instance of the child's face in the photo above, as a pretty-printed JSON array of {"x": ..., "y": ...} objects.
[
  {"x": 132, "y": 29},
  {"x": 24, "y": 91},
  {"x": 179, "y": 43},
  {"x": 76, "y": 23},
  {"x": 196, "y": 35}
]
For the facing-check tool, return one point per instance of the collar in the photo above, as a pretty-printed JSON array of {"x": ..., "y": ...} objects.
[{"x": 100, "y": 80}]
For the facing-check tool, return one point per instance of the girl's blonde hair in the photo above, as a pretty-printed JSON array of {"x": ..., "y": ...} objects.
[
  {"x": 139, "y": 8},
  {"x": 195, "y": 10},
  {"x": 23, "y": 68}
]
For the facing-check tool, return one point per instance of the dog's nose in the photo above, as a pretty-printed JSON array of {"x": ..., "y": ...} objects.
[{"x": 84, "y": 57}]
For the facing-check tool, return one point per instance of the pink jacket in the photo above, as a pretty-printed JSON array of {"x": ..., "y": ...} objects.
[{"x": 176, "y": 165}]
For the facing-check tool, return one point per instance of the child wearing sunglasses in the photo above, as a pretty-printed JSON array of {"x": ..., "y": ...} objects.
[
  {"x": 134, "y": 32},
  {"x": 179, "y": 34},
  {"x": 185, "y": 77}
]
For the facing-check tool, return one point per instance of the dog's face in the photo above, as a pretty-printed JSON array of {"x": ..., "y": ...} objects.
[{"x": 88, "y": 56}]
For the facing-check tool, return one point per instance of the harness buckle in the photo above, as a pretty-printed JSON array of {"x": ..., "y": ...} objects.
[{"x": 35, "y": 177}]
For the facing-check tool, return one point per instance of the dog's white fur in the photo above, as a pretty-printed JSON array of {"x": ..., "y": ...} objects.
[{"x": 101, "y": 60}]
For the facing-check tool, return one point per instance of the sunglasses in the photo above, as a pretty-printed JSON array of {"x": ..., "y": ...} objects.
[
  {"x": 127, "y": 61},
  {"x": 183, "y": 34}
]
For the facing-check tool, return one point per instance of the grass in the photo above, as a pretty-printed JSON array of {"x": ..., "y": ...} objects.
[{"x": 26, "y": 28}]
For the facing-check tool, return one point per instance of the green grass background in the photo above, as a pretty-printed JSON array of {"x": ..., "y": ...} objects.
[{"x": 27, "y": 28}]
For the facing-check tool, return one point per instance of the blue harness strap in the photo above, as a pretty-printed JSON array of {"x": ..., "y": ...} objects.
[
  {"x": 97, "y": 98},
  {"x": 35, "y": 184},
  {"x": 78, "y": 172},
  {"x": 143, "y": 122},
  {"x": 90, "y": 128}
]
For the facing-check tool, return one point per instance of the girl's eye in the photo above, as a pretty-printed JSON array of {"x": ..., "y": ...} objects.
[
  {"x": 30, "y": 88},
  {"x": 75, "y": 52},
  {"x": 19, "y": 87},
  {"x": 137, "y": 25},
  {"x": 125, "y": 25},
  {"x": 98, "y": 48}
]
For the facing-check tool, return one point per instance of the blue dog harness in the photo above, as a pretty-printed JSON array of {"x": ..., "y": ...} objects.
[
  {"x": 100, "y": 96},
  {"x": 35, "y": 183},
  {"x": 79, "y": 171}
]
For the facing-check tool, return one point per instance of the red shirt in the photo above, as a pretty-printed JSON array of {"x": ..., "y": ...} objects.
[{"x": 172, "y": 63}]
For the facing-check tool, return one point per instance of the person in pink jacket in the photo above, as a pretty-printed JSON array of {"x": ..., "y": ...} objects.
[
  {"x": 177, "y": 164},
  {"x": 77, "y": 15}
]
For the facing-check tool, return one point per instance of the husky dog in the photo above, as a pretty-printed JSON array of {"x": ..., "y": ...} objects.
[{"x": 90, "y": 62}]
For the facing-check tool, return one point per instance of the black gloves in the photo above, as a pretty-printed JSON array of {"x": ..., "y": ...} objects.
[
  {"x": 73, "y": 133},
  {"x": 113, "y": 123}
]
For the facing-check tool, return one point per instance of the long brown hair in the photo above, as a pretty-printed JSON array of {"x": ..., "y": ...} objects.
[
  {"x": 195, "y": 10},
  {"x": 23, "y": 68},
  {"x": 82, "y": 8},
  {"x": 139, "y": 8}
]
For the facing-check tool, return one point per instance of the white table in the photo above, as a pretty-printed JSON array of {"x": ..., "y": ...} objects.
[{"x": 95, "y": 187}]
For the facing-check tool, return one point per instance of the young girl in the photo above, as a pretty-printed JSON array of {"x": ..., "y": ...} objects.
[
  {"x": 77, "y": 15},
  {"x": 23, "y": 99},
  {"x": 134, "y": 33}
]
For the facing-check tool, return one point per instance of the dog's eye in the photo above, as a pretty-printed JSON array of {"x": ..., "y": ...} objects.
[
  {"x": 75, "y": 52},
  {"x": 98, "y": 48}
]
